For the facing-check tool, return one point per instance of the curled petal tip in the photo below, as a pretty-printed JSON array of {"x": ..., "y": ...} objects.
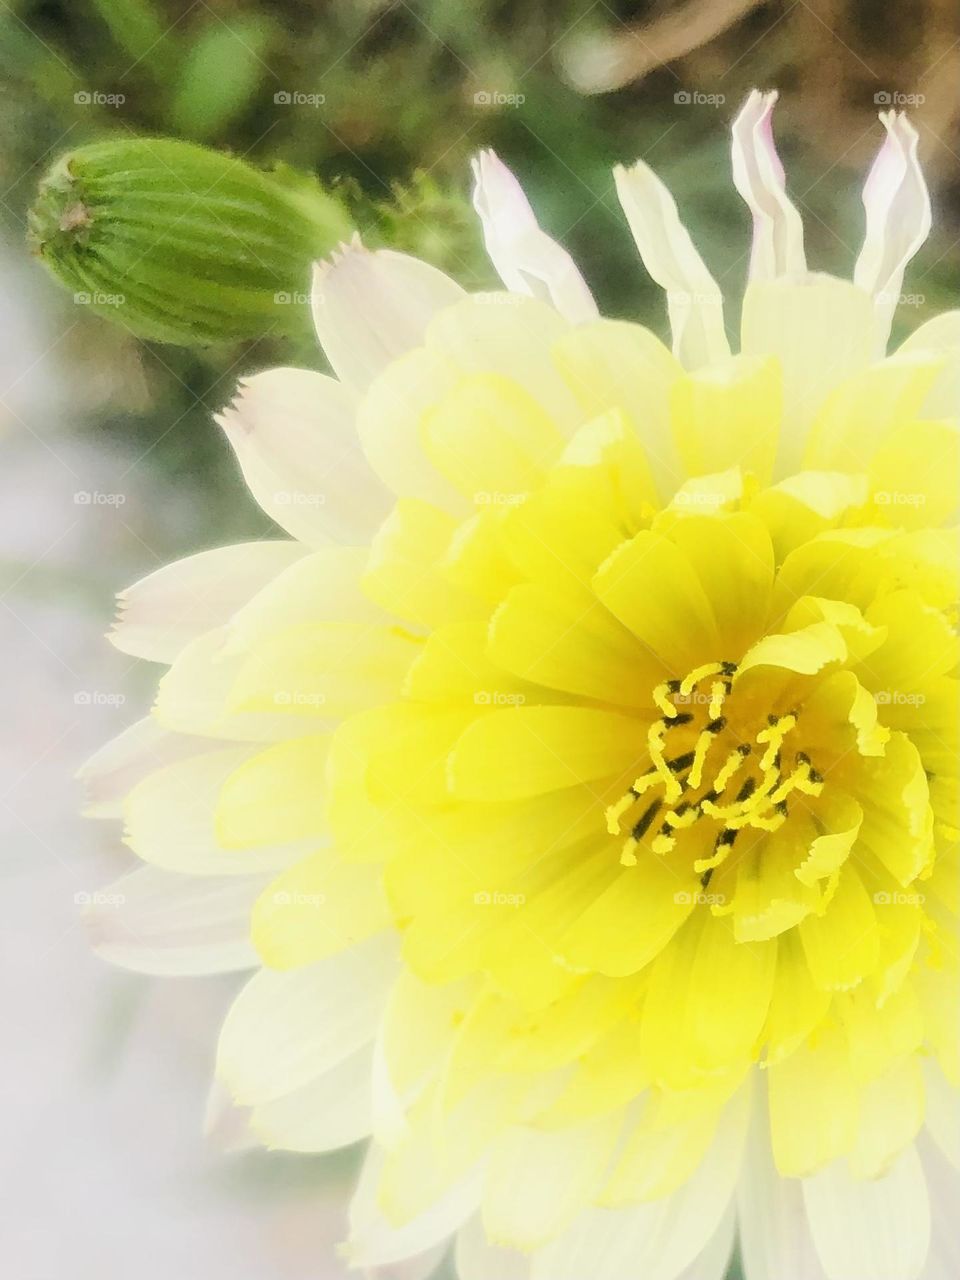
[
  {"x": 759, "y": 177},
  {"x": 898, "y": 217},
  {"x": 525, "y": 257}
]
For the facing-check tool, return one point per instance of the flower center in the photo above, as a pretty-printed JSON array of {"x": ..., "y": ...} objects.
[{"x": 709, "y": 761}]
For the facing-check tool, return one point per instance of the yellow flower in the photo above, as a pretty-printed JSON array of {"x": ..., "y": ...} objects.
[{"x": 583, "y": 773}]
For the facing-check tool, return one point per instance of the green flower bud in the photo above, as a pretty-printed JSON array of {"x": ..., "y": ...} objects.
[{"x": 183, "y": 244}]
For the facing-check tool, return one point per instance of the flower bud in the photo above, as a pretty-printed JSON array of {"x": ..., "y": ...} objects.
[{"x": 183, "y": 244}]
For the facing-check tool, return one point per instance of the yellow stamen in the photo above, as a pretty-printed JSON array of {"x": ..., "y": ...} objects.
[
  {"x": 700, "y": 758},
  {"x": 718, "y": 692},
  {"x": 655, "y": 735},
  {"x": 694, "y": 677},
  {"x": 662, "y": 699},
  {"x": 733, "y": 762}
]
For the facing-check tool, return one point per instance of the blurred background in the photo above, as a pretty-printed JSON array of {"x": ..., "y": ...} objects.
[{"x": 110, "y": 464}]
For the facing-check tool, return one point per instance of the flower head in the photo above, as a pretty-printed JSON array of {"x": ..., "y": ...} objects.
[{"x": 583, "y": 773}]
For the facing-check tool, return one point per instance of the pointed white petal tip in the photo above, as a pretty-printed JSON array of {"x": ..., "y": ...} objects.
[
  {"x": 694, "y": 300},
  {"x": 372, "y": 306},
  {"x": 758, "y": 175},
  {"x": 898, "y": 218},
  {"x": 527, "y": 260}
]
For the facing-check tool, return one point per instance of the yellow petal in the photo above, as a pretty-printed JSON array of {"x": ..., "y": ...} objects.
[
  {"x": 324, "y": 669},
  {"x": 566, "y": 640},
  {"x": 490, "y": 439},
  {"x": 729, "y": 414},
  {"x": 523, "y": 751},
  {"x": 651, "y": 586},
  {"x": 315, "y": 909},
  {"x": 276, "y": 795},
  {"x": 842, "y": 946}
]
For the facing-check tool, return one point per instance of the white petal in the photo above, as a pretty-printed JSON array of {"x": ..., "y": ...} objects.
[
  {"x": 655, "y": 1240},
  {"x": 164, "y": 611},
  {"x": 512, "y": 335},
  {"x": 370, "y": 308},
  {"x": 154, "y": 921},
  {"x": 539, "y": 1179},
  {"x": 877, "y": 1227},
  {"x": 420, "y": 1267},
  {"x": 322, "y": 587},
  {"x": 822, "y": 331},
  {"x": 375, "y": 1242},
  {"x": 943, "y": 1112},
  {"x": 285, "y": 1029},
  {"x": 169, "y": 820},
  {"x": 758, "y": 176},
  {"x": 478, "y": 1259},
  {"x": 943, "y": 1185},
  {"x": 526, "y": 258},
  {"x": 294, "y": 437},
  {"x": 332, "y": 1111},
  {"x": 389, "y": 420},
  {"x": 897, "y": 205},
  {"x": 113, "y": 771},
  {"x": 694, "y": 301},
  {"x": 195, "y": 697},
  {"x": 225, "y": 1126},
  {"x": 941, "y": 334},
  {"x": 712, "y": 1262},
  {"x": 775, "y": 1238}
]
